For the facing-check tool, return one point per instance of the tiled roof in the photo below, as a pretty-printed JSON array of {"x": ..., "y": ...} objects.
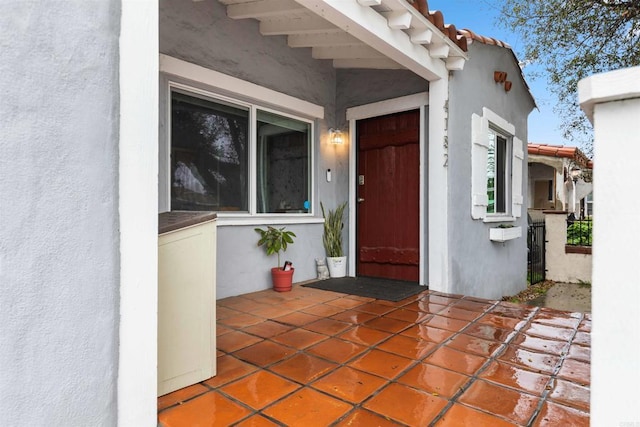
[
  {"x": 470, "y": 35},
  {"x": 437, "y": 19},
  {"x": 459, "y": 37},
  {"x": 572, "y": 153}
]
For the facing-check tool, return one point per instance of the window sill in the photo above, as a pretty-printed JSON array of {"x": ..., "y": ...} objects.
[
  {"x": 504, "y": 234},
  {"x": 253, "y": 220},
  {"x": 499, "y": 218}
]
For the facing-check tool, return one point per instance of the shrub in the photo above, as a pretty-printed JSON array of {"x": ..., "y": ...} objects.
[{"x": 580, "y": 233}]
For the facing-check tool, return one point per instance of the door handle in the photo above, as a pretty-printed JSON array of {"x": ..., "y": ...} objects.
[{"x": 360, "y": 200}]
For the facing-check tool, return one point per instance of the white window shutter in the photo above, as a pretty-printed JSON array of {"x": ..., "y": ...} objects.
[
  {"x": 516, "y": 178},
  {"x": 479, "y": 153}
]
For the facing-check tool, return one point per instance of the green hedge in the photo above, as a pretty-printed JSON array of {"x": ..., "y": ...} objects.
[{"x": 580, "y": 233}]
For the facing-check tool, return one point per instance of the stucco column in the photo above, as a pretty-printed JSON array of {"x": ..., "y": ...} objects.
[
  {"x": 612, "y": 103},
  {"x": 556, "y": 231},
  {"x": 138, "y": 213},
  {"x": 437, "y": 188}
]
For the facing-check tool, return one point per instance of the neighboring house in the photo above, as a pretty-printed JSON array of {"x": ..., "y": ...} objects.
[
  {"x": 232, "y": 112},
  {"x": 560, "y": 179},
  {"x": 560, "y": 182}
]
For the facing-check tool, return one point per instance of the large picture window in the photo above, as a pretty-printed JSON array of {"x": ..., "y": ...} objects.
[
  {"x": 209, "y": 154},
  {"x": 229, "y": 157}
]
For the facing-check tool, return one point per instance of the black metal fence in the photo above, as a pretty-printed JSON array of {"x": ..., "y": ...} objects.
[
  {"x": 579, "y": 232},
  {"x": 536, "y": 245}
]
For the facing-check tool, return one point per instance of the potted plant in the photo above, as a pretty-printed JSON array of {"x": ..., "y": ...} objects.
[
  {"x": 275, "y": 240},
  {"x": 332, "y": 240}
]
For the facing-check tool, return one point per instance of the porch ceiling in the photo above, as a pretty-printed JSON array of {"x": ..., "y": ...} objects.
[
  {"x": 553, "y": 162},
  {"x": 376, "y": 34}
]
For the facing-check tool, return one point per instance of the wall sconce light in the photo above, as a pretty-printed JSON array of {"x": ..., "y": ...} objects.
[{"x": 336, "y": 136}]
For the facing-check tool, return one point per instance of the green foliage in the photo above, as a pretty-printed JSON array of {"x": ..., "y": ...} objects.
[
  {"x": 571, "y": 40},
  {"x": 580, "y": 233},
  {"x": 275, "y": 240},
  {"x": 333, "y": 225}
]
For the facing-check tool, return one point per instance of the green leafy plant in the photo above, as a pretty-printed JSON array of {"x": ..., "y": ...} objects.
[
  {"x": 275, "y": 240},
  {"x": 580, "y": 233},
  {"x": 333, "y": 225}
]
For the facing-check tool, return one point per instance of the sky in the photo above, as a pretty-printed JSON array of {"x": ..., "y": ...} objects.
[{"x": 480, "y": 16}]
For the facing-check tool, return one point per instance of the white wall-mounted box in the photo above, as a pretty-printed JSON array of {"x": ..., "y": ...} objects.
[{"x": 499, "y": 234}]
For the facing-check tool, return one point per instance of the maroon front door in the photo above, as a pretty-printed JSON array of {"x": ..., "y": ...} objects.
[{"x": 388, "y": 209}]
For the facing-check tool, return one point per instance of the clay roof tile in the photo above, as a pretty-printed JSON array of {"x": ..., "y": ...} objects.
[
  {"x": 463, "y": 37},
  {"x": 462, "y": 42},
  {"x": 437, "y": 19},
  {"x": 566, "y": 152},
  {"x": 422, "y": 7},
  {"x": 562, "y": 151},
  {"x": 547, "y": 151},
  {"x": 482, "y": 39}
]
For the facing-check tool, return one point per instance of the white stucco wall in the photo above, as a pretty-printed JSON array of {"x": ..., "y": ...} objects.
[
  {"x": 59, "y": 243},
  {"x": 612, "y": 103},
  {"x": 137, "y": 207},
  {"x": 562, "y": 266}
]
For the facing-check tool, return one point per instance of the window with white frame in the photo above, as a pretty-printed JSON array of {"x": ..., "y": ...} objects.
[
  {"x": 231, "y": 156},
  {"x": 497, "y": 157},
  {"x": 498, "y": 172}
]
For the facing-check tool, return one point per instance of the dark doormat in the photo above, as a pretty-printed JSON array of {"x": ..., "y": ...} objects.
[{"x": 371, "y": 287}]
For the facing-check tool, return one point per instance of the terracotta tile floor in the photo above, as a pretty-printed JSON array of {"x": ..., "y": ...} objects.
[{"x": 316, "y": 358}]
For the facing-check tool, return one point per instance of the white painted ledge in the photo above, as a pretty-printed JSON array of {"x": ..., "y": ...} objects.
[
  {"x": 262, "y": 220},
  {"x": 606, "y": 87},
  {"x": 612, "y": 102}
]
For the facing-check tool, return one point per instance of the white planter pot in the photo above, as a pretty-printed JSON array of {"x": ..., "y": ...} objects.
[{"x": 337, "y": 266}]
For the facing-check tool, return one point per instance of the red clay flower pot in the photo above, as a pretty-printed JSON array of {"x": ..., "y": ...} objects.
[{"x": 282, "y": 280}]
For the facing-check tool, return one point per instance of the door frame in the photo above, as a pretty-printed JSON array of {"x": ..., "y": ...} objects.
[{"x": 418, "y": 101}]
